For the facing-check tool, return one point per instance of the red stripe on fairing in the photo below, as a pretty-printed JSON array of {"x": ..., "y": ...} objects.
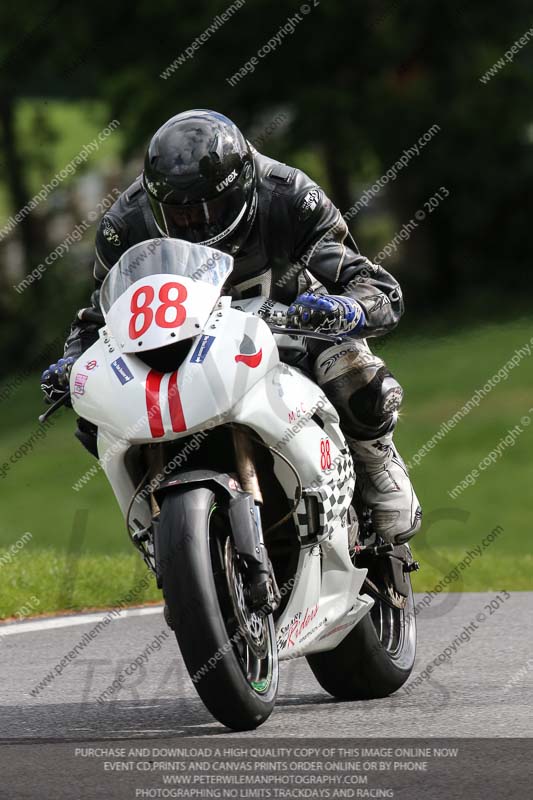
[
  {"x": 153, "y": 406},
  {"x": 174, "y": 404}
]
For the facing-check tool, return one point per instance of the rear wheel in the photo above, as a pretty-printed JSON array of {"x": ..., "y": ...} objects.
[
  {"x": 377, "y": 656},
  {"x": 230, "y": 652}
]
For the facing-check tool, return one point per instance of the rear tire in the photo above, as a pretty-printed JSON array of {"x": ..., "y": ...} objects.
[
  {"x": 236, "y": 682},
  {"x": 375, "y": 659}
]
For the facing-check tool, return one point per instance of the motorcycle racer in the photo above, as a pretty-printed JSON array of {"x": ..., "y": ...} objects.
[{"x": 204, "y": 183}]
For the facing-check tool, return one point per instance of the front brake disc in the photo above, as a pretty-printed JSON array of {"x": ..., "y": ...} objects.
[{"x": 252, "y": 626}]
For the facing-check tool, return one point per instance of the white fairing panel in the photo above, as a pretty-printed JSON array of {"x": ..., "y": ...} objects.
[
  {"x": 119, "y": 392},
  {"x": 292, "y": 414},
  {"x": 232, "y": 373}
]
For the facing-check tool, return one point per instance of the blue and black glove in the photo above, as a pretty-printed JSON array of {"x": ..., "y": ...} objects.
[
  {"x": 327, "y": 313},
  {"x": 55, "y": 380}
]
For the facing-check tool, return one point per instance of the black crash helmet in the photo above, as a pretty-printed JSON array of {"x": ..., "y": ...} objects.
[{"x": 199, "y": 176}]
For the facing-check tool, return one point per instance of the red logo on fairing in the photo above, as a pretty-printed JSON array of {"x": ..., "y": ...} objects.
[
  {"x": 252, "y": 361},
  {"x": 248, "y": 354}
]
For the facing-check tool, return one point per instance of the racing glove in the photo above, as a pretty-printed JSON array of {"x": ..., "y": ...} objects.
[
  {"x": 55, "y": 380},
  {"x": 327, "y": 313}
]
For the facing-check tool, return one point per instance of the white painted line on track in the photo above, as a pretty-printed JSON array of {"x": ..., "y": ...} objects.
[{"x": 51, "y": 623}]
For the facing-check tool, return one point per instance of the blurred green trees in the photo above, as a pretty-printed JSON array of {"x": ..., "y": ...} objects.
[{"x": 358, "y": 84}]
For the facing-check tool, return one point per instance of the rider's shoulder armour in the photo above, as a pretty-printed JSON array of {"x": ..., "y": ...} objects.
[
  {"x": 134, "y": 190},
  {"x": 281, "y": 173}
]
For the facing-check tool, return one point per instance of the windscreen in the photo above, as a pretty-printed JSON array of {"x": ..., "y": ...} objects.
[{"x": 167, "y": 257}]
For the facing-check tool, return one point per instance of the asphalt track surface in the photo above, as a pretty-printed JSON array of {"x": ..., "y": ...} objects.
[{"x": 483, "y": 690}]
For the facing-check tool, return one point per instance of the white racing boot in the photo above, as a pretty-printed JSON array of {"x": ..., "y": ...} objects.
[{"x": 385, "y": 489}]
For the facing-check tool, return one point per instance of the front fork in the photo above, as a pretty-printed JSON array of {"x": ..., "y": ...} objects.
[
  {"x": 264, "y": 593},
  {"x": 245, "y": 520}
]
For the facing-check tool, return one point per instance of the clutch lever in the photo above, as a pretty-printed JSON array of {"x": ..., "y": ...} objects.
[{"x": 54, "y": 407}]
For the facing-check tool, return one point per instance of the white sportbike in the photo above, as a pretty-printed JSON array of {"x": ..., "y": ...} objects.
[{"x": 237, "y": 486}]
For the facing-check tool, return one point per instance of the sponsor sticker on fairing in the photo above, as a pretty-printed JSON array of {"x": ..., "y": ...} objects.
[
  {"x": 202, "y": 349},
  {"x": 79, "y": 384},
  {"x": 121, "y": 370}
]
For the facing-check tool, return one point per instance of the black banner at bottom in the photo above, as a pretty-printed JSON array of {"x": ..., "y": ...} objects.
[{"x": 232, "y": 768}]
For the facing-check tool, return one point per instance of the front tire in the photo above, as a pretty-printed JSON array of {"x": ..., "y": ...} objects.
[
  {"x": 375, "y": 659},
  {"x": 235, "y": 675}
]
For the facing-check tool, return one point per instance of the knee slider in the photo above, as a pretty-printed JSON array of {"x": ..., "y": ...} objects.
[
  {"x": 391, "y": 394},
  {"x": 378, "y": 402},
  {"x": 361, "y": 387},
  {"x": 352, "y": 368}
]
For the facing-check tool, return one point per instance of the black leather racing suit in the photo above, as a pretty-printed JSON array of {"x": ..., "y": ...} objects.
[{"x": 299, "y": 240}]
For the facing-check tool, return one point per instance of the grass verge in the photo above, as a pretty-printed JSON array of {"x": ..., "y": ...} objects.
[
  {"x": 58, "y": 582},
  {"x": 99, "y": 581}
]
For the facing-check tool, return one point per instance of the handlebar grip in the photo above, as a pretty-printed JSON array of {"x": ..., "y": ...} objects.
[{"x": 91, "y": 315}]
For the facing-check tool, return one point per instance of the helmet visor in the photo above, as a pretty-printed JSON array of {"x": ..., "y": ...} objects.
[{"x": 208, "y": 223}]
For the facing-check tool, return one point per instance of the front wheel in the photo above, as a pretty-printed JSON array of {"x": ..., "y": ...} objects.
[
  {"x": 375, "y": 659},
  {"x": 230, "y": 652}
]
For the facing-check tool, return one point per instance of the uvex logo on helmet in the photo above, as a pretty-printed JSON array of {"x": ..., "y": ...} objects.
[{"x": 226, "y": 182}]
